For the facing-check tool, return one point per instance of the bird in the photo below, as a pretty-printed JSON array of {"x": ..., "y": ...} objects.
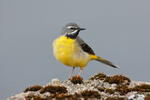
[{"x": 72, "y": 51}]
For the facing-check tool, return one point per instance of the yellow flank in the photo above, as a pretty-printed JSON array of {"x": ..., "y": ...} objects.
[
  {"x": 93, "y": 57},
  {"x": 69, "y": 52}
]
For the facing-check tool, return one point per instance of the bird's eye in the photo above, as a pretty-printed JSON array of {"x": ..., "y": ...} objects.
[{"x": 72, "y": 28}]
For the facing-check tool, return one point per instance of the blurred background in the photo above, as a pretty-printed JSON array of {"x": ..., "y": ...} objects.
[{"x": 117, "y": 30}]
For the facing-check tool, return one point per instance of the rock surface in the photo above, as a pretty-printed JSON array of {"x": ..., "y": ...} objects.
[{"x": 98, "y": 87}]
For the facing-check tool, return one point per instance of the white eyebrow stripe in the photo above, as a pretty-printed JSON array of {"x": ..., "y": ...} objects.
[{"x": 69, "y": 27}]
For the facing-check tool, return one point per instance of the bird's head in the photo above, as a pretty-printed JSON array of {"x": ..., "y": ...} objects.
[{"x": 71, "y": 30}]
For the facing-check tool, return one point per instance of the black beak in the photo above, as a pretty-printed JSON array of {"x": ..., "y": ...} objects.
[{"x": 82, "y": 29}]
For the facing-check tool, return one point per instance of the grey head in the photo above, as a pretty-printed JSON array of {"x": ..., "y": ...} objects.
[{"x": 71, "y": 30}]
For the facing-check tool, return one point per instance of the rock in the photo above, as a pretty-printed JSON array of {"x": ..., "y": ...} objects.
[
  {"x": 55, "y": 81},
  {"x": 98, "y": 87},
  {"x": 136, "y": 97}
]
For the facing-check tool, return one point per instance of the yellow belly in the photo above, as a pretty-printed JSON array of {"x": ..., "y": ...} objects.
[{"x": 69, "y": 52}]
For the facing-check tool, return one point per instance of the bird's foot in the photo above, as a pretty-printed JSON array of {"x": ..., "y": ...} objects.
[
  {"x": 69, "y": 79},
  {"x": 76, "y": 79}
]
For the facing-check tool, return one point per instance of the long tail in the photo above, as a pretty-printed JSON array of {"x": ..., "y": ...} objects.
[{"x": 104, "y": 61}]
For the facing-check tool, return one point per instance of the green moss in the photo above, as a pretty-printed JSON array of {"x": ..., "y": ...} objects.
[
  {"x": 117, "y": 79},
  {"x": 77, "y": 80},
  {"x": 54, "y": 89},
  {"x": 99, "y": 76},
  {"x": 33, "y": 88},
  {"x": 90, "y": 94}
]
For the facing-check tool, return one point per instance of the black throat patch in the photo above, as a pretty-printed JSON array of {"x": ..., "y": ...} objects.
[{"x": 72, "y": 36}]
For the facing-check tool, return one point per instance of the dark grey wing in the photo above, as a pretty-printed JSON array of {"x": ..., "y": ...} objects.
[{"x": 85, "y": 47}]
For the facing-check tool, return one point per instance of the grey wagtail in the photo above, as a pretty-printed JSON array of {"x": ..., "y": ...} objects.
[{"x": 72, "y": 51}]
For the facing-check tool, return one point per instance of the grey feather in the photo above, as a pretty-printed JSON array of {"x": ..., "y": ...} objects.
[{"x": 85, "y": 47}]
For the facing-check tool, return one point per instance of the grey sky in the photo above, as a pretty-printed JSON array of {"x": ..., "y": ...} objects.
[{"x": 117, "y": 30}]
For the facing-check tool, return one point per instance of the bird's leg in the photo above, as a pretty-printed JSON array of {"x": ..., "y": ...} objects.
[
  {"x": 79, "y": 73},
  {"x": 71, "y": 73}
]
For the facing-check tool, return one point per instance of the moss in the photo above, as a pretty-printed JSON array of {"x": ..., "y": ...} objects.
[
  {"x": 123, "y": 89},
  {"x": 56, "y": 96},
  {"x": 99, "y": 76},
  {"x": 68, "y": 97},
  {"x": 147, "y": 97},
  {"x": 63, "y": 96},
  {"x": 117, "y": 79},
  {"x": 101, "y": 89},
  {"x": 54, "y": 89},
  {"x": 90, "y": 94},
  {"x": 142, "y": 88},
  {"x": 110, "y": 91},
  {"x": 77, "y": 80},
  {"x": 115, "y": 98},
  {"x": 34, "y": 98},
  {"x": 33, "y": 88}
]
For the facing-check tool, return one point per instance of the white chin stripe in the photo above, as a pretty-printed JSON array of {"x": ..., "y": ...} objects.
[{"x": 74, "y": 31}]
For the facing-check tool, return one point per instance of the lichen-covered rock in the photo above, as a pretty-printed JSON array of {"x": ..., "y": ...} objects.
[
  {"x": 33, "y": 88},
  {"x": 98, "y": 87}
]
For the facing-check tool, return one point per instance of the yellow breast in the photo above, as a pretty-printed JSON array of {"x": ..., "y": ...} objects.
[{"x": 69, "y": 52}]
